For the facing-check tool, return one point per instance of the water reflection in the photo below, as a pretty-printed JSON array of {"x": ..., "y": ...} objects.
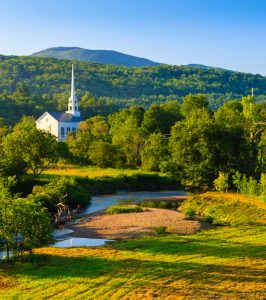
[
  {"x": 79, "y": 242},
  {"x": 103, "y": 202}
]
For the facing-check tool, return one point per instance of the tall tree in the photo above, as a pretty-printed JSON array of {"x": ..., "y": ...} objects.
[
  {"x": 127, "y": 134},
  {"x": 154, "y": 152},
  {"x": 28, "y": 149},
  {"x": 193, "y": 148},
  {"x": 192, "y": 102}
]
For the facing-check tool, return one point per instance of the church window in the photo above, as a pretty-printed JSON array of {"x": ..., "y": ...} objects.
[
  {"x": 62, "y": 131},
  {"x": 75, "y": 108},
  {"x": 68, "y": 129},
  {"x": 70, "y": 107},
  {"x": 73, "y": 128}
]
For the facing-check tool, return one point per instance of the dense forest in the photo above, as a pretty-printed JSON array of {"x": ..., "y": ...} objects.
[{"x": 32, "y": 85}]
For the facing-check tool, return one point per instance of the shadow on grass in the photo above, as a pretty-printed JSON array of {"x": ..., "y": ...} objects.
[
  {"x": 54, "y": 267},
  {"x": 141, "y": 264},
  {"x": 208, "y": 245}
]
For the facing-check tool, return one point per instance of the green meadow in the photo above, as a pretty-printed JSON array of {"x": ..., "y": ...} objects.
[{"x": 221, "y": 263}]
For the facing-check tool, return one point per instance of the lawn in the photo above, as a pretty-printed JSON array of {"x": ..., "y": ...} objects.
[
  {"x": 91, "y": 172},
  {"x": 221, "y": 263}
]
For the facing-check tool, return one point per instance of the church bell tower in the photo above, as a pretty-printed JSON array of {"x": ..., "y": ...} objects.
[{"x": 73, "y": 101}]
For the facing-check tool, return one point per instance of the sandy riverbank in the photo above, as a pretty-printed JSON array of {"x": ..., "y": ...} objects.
[{"x": 131, "y": 225}]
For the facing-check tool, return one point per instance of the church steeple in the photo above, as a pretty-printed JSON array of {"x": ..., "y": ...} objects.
[{"x": 73, "y": 101}]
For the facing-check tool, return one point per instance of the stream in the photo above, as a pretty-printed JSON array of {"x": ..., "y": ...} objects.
[{"x": 63, "y": 236}]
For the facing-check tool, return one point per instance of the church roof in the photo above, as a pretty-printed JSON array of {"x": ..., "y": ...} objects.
[{"x": 65, "y": 117}]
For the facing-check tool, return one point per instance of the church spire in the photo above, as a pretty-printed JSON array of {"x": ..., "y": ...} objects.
[
  {"x": 73, "y": 101},
  {"x": 73, "y": 93}
]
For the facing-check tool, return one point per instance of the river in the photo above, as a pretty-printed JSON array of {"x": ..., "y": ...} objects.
[{"x": 63, "y": 236}]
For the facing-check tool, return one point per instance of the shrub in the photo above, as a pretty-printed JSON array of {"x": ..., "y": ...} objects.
[
  {"x": 221, "y": 183},
  {"x": 66, "y": 190},
  {"x": 208, "y": 219},
  {"x": 190, "y": 213},
  {"x": 123, "y": 209},
  {"x": 160, "y": 229},
  {"x": 159, "y": 204}
]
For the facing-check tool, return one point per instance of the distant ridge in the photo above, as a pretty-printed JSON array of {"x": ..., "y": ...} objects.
[
  {"x": 204, "y": 67},
  {"x": 98, "y": 56}
]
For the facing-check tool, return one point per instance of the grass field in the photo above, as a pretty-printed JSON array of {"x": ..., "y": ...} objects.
[
  {"x": 91, "y": 172},
  {"x": 223, "y": 263}
]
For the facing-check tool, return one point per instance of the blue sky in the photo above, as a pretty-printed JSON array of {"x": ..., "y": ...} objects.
[{"x": 225, "y": 33}]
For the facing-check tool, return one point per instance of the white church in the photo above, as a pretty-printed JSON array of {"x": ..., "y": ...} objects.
[{"x": 60, "y": 124}]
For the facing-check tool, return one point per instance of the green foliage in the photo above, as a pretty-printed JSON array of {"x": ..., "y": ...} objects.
[
  {"x": 136, "y": 181},
  {"x": 24, "y": 222},
  {"x": 123, "y": 209},
  {"x": 221, "y": 182},
  {"x": 247, "y": 186},
  {"x": 154, "y": 152},
  {"x": 28, "y": 149},
  {"x": 192, "y": 102},
  {"x": 104, "y": 154},
  {"x": 160, "y": 229},
  {"x": 224, "y": 211},
  {"x": 160, "y": 118},
  {"x": 192, "y": 145},
  {"x": 62, "y": 191},
  {"x": 190, "y": 213},
  {"x": 103, "y": 89},
  {"x": 159, "y": 204},
  {"x": 127, "y": 134}
]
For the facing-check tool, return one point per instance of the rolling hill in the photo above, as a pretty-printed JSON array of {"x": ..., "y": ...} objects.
[
  {"x": 99, "y": 56},
  {"x": 31, "y": 85}
]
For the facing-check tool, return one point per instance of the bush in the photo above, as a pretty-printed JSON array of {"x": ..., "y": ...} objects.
[
  {"x": 159, "y": 204},
  {"x": 136, "y": 182},
  {"x": 123, "y": 209},
  {"x": 160, "y": 229},
  {"x": 66, "y": 190},
  {"x": 190, "y": 213},
  {"x": 221, "y": 183},
  {"x": 208, "y": 219}
]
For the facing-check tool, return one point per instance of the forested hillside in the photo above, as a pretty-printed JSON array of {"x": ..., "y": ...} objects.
[
  {"x": 31, "y": 85},
  {"x": 98, "y": 56}
]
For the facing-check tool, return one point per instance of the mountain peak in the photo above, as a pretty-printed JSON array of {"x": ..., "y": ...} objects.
[{"x": 99, "y": 56}]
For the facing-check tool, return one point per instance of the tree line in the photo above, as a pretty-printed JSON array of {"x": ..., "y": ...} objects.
[{"x": 187, "y": 140}]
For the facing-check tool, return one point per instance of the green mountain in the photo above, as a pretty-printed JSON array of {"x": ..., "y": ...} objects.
[
  {"x": 98, "y": 56},
  {"x": 31, "y": 85}
]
